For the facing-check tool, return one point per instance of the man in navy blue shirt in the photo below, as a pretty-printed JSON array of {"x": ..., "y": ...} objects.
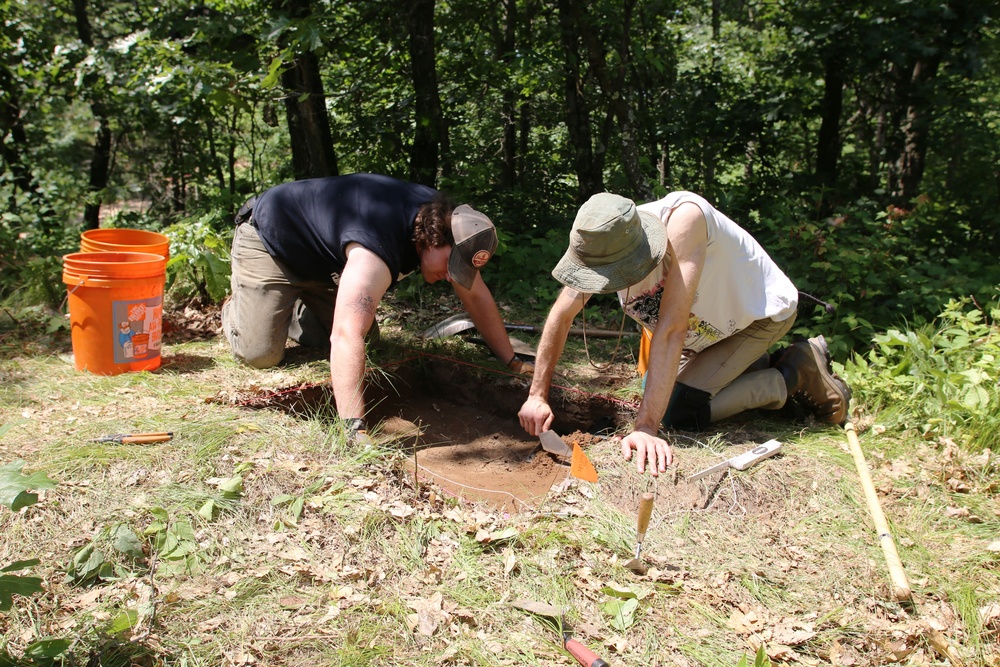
[{"x": 315, "y": 257}]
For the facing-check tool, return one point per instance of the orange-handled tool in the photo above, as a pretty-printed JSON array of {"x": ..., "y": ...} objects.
[
  {"x": 584, "y": 655},
  {"x": 645, "y": 511},
  {"x": 137, "y": 438}
]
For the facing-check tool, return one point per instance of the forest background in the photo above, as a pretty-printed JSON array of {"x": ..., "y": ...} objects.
[{"x": 858, "y": 141}]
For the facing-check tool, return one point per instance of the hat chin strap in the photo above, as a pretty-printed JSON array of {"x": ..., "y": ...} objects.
[{"x": 621, "y": 332}]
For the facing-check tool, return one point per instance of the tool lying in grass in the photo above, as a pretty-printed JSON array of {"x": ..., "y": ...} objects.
[
  {"x": 743, "y": 461},
  {"x": 553, "y": 616},
  {"x": 136, "y": 438},
  {"x": 462, "y": 322},
  {"x": 900, "y": 585},
  {"x": 579, "y": 466},
  {"x": 645, "y": 511}
]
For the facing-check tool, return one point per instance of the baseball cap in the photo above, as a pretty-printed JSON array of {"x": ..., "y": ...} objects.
[{"x": 475, "y": 242}]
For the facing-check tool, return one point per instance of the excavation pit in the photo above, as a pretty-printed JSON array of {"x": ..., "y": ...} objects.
[{"x": 460, "y": 428}]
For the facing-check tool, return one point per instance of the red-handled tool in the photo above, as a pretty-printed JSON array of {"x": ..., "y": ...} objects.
[
  {"x": 553, "y": 616},
  {"x": 583, "y": 655},
  {"x": 137, "y": 438}
]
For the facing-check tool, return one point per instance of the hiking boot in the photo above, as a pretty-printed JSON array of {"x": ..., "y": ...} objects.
[{"x": 805, "y": 366}]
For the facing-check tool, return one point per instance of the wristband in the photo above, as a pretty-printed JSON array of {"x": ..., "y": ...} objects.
[{"x": 356, "y": 425}]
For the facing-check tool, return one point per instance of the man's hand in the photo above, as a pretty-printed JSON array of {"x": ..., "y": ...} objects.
[
  {"x": 521, "y": 367},
  {"x": 650, "y": 448},
  {"x": 535, "y": 415}
]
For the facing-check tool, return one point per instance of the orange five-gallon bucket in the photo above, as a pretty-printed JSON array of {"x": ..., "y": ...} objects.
[
  {"x": 124, "y": 240},
  {"x": 115, "y": 310}
]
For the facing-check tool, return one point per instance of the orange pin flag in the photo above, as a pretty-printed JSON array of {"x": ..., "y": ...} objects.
[{"x": 580, "y": 466}]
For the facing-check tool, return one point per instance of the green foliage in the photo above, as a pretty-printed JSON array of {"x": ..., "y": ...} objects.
[
  {"x": 760, "y": 660},
  {"x": 47, "y": 651},
  {"x": 621, "y": 605},
  {"x": 15, "y": 494},
  {"x": 939, "y": 378},
  {"x": 11, "y": 585},
  {"x": 878, "y": 267},
  {"x": 113, "y": 554},
  {"x": 174, "y": 542},
  {"x": 523, "y": 263},
  {"x": 199, "y": 256},
  {"x": 31, "y": 258},
  {"x": 15, "y": 488}
]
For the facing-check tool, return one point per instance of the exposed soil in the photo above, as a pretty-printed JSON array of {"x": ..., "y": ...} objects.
[{"x": 459, "y": 425}]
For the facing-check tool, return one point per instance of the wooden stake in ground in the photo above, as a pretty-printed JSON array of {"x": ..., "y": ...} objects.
[{"x": 900, "y": 585}]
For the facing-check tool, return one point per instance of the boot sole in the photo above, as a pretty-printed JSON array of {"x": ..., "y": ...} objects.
[{"x": 821, "y": 355}]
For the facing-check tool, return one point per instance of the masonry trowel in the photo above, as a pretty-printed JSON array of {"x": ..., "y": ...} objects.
[{"x": 552, "y": 443}]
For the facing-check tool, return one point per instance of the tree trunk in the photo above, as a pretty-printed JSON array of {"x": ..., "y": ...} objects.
[
  {"x": 308, "y": 124},
  {"x": 213, "y": 154},
  {"x": 588, "y": 169},
  {"x": 508, "y": 140},
  {"x": 305, "y": 108},
  {"x": 100, "y": 162},
  {"x": 524, "y": 104},
  {"x": 916, "y": 130},
  {"x": 431, "y": 134},
  {"x": 828, "y": 141},
  {"x": 617, "y": 97}
]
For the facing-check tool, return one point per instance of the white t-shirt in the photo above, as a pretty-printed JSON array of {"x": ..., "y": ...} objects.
[{"x": 739, "y": 284}]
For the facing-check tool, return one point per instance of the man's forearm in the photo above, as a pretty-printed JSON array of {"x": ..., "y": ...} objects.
[
  {"x": 664, "y": 361},
  {"x": 483, "y": 310},
  {"x": 347, "y": 376},
  {"x": 550, "y": 348}
]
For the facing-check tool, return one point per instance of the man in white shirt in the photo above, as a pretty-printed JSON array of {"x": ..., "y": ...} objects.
[{"x": 715, "y": 303}]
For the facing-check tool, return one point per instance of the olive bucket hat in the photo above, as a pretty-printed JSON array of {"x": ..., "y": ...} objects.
[{"x": 612, "y": 245}]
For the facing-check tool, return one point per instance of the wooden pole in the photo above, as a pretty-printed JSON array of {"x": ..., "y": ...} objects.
[{"x": 900, "y": 585}]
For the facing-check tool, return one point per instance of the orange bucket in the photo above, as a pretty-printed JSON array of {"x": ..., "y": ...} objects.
[
  {"x": 115, "y": 310},
  {"x": 124, "y": 240}
]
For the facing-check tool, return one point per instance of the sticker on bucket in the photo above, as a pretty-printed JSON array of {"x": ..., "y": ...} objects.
[{"x": 138, "y": 329}]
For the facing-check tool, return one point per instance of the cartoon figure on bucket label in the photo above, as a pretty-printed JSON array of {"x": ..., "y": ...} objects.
[
  {"x": 125, "y": 335},
  {"x": 138, "y": 330}
]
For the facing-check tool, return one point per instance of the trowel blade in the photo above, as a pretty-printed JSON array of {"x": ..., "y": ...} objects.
[
  {"x": 450, "y": 326},
  {"x": 708, "y": 471},
  {"x": 551, "y": 442}
]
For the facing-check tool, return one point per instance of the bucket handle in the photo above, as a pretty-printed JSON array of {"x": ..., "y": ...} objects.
[{"x": 81, "y": 280}]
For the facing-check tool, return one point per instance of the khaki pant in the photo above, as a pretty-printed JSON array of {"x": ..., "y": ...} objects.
[
  {"x": 729, "y": 377},
  {"x": 270, "y": 304}
]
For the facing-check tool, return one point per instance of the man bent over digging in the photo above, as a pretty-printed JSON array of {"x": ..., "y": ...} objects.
[
  {"x": 714, "y": 301},
  {"x": 312, "y": 259}
]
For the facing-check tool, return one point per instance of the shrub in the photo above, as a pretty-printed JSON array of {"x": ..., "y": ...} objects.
[{"x": 939, "y": 378}]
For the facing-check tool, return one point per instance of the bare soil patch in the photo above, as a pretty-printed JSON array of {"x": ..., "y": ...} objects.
[{"x": 459, "y": 426}]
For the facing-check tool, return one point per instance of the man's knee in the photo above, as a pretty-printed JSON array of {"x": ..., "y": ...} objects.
[
  {"x": 689, "y": 408},
  {"x": 260, "y": 358}
]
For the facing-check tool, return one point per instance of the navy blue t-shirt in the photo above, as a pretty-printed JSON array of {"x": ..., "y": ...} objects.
[{"x": 308, "y": 224}]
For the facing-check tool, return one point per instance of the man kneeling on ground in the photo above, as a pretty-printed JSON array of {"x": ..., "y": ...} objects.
[
  {"x": 312, "y": 259},
  {"x": 715, "y": 303}
]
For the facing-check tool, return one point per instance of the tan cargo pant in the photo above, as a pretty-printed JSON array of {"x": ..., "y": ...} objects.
[
  {"x": 729, "y": 377},
  {"x": 270, "y": 304}
]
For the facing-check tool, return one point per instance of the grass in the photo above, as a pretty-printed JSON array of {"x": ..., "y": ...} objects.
[{"x": 374, "y": 572}]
